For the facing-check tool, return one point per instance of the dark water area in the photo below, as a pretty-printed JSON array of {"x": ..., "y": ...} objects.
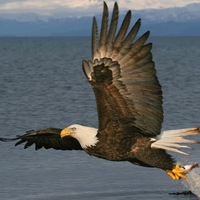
[{"x": 42, "y": 85}]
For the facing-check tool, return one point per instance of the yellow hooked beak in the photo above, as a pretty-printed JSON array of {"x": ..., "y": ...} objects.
[{"x": 65, "y": 132}]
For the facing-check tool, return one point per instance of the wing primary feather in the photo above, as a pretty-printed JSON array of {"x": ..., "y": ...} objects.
[
  {"x": 28, "y": 144},
  {"x": 20, "y": 142},
  {"x": 135, "y": 47},
  {"x": 141, "y": 40},
  {"x": 113, "y": 24},
  {"x": 123, "y": 29},
  {"x": 103, "y": 34},
  {"x": 8, "y": 139},
  {"x": 122, "y": 48},
  {"x": 94, "y": 38},
  {"x": 133, "y": 32}
]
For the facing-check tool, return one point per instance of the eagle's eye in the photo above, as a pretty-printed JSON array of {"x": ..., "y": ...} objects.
[{"x": 73, "y": 129}]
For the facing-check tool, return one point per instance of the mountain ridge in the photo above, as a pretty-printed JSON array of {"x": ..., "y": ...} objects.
[{"x": 178, "y": 21}]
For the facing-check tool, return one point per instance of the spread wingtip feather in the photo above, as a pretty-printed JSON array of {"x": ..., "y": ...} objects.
[{"x": 172, "y": 139}]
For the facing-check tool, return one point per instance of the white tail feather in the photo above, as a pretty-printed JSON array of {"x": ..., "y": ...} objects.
[{"x": 172, "y": 139}]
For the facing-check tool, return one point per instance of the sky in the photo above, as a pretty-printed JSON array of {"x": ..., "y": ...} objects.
[{"x": 79, "y": 8}]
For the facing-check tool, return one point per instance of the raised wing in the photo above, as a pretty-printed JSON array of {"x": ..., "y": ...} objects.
[
  {"x": 123, "y": 76},
  {"x": 47, "y": 138}
]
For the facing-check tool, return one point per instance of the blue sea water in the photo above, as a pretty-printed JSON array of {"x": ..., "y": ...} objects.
[{"x": 42, "y": 85}]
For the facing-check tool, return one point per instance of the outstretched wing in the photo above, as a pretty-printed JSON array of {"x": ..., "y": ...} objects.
[
  {"x": 123, "y": 76},
  {"x": 47, "y": 138}
]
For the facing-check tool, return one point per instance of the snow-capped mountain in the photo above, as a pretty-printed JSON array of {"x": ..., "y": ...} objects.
[{"x": 177, "y": 21}]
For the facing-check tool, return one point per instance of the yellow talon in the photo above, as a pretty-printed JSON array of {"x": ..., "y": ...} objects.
[
  {"x": 176, "y": 173},
  {"x": 169, "y": 172}
]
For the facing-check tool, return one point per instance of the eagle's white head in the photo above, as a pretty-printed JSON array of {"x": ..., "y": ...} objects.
[{"x": 84, "y": 134}]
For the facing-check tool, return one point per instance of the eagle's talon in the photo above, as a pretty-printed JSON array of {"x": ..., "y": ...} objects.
[
  {"x": 176, "y": 173},
  {"x": 170, "y": 173}
]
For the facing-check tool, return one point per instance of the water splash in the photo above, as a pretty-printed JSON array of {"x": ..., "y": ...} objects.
[{"x": 193, "y": 181}]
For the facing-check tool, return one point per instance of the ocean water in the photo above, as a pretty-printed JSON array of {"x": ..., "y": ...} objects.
[{"x": 42, "y": 85}]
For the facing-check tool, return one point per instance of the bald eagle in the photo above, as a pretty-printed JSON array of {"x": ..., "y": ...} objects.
[{"x": 129, "y": 103}]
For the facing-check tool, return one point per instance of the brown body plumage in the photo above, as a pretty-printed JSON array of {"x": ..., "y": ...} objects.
[{"x": 135, "y": 149}]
